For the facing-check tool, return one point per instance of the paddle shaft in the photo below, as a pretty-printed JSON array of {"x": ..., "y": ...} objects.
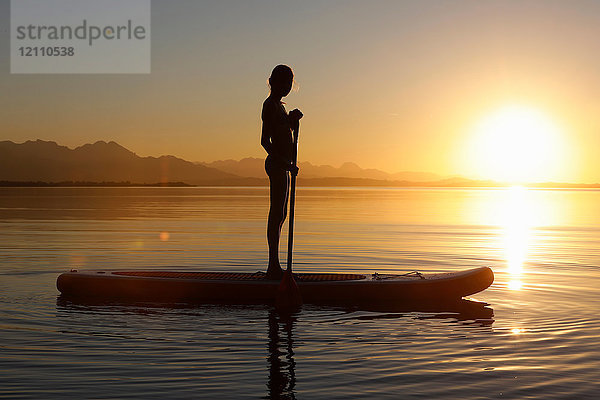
[
  {"x": 288, "y": 297},
  {"x": 292, "y": 201}
]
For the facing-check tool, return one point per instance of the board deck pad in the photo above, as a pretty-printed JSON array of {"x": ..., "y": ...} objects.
[{"x": 239, "y": 276}]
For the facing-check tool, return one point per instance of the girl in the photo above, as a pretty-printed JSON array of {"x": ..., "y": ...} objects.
[{"x": 277, "y": 130}]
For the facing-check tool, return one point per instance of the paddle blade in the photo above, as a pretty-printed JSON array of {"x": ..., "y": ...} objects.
[{"x": 288, "y": 294}]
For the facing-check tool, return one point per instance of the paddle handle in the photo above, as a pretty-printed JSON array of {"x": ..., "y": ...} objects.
[{"x": 292, "y": 201}]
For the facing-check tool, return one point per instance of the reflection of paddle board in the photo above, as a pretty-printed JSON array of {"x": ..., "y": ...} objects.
[{"x": 230, "y": 287}]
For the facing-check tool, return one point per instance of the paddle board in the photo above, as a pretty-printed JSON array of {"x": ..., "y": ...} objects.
[{"x": 241, "y": 287}]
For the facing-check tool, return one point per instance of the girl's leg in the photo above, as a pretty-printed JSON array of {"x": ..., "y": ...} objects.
[{"x": 279, "y": 190}]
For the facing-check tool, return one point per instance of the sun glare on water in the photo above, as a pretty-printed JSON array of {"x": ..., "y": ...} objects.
[
  {"x": 516, "y": 144},
  {"x": 519, "y": 216},
  {"x": 518, "y": 222}
]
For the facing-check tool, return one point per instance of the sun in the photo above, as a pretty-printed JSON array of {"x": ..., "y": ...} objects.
[{"x": 516, "y": 144}]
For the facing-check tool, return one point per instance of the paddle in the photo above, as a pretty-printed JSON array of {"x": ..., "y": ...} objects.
[{"x": 288, "y": 294}]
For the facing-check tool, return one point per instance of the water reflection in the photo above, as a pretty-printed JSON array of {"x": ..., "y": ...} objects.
[
  {"x": 187, "y": 327},
  {"x": 282, "y": 373},
  {"x": 517, "y": 331},
  {"x": 518, "y": 221},
  {"x": 519, "y": 213},
  {"x": 463, "y": 310}
]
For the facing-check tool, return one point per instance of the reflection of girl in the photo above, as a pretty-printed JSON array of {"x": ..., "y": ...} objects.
[
  {"x": 282, "y": 373},
  {"x": 277, "y": 130}
]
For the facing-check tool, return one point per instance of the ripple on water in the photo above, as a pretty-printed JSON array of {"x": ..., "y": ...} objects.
[{"x": 540, "y": 341}]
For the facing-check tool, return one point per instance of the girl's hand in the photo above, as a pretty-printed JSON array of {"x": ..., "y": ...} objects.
[
  {"x": 296, "y": 115},
  {"x": 293, "y": 169}
]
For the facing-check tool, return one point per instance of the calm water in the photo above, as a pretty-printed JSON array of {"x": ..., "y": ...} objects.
[{"x": 543, "y": 340}]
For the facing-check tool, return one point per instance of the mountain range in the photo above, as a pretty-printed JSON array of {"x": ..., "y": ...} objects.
[
  {"x": 254, "y": 167},
  {"x": 46, "y": 161}
]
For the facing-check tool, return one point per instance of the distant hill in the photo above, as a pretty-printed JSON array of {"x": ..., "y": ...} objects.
[
  {"x": 99, "y": 162},
  {"x": 255, "y": 168},
  {"x": 44, "y": 163}
]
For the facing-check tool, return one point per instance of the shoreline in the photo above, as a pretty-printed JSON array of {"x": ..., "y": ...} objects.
[{"x": 311, "y": 182}]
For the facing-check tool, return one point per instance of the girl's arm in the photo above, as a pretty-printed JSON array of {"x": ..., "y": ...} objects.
[
  {"x": 265, "y": 139},
  {"x": 294, "y": 117}
]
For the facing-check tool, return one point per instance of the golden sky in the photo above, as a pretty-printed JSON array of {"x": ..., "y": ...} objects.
[{"x": 394, "y": 85}]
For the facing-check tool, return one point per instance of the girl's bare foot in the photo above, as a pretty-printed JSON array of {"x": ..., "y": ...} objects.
[{"x": 274, "y": 273}]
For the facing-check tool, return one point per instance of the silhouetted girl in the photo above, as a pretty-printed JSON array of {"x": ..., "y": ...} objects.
[{"x": 277, "y": 130}]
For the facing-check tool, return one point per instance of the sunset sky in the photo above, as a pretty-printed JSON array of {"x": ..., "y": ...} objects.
[{"x": 451, "y": 87}]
